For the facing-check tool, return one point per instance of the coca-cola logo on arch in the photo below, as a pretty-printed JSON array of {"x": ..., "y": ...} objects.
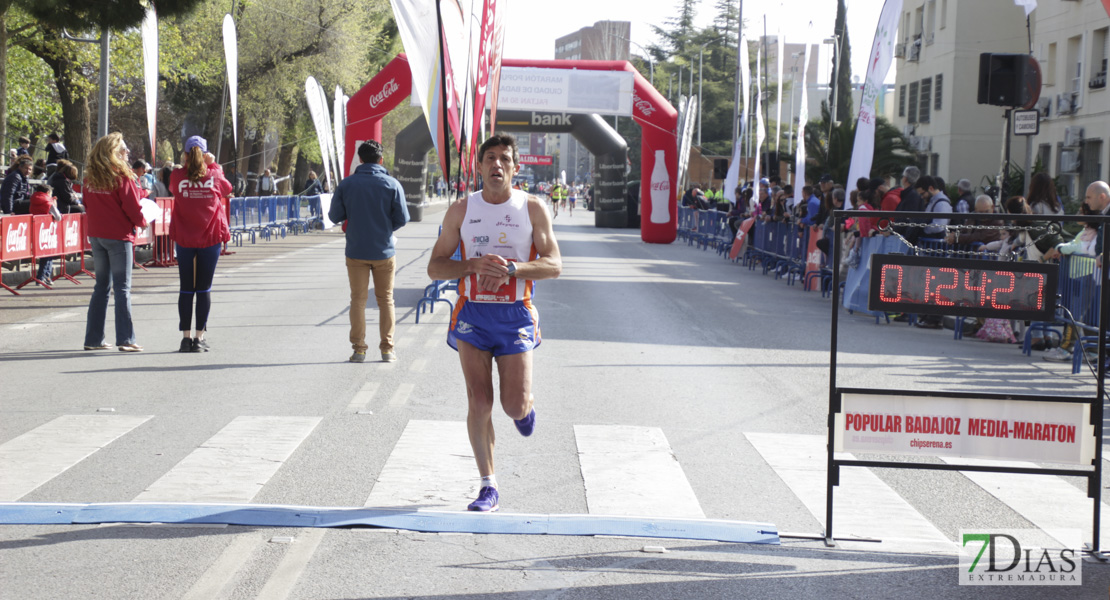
[
  {"x": 387, "y": 91},
  {"x": 16, "y": 237},
  {"x": 642, "y": 105}
]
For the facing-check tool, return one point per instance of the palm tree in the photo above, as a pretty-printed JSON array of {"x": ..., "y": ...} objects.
[{"x": 892, "y": 150}]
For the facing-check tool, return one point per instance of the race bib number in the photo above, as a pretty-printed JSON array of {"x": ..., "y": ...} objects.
[{"x": 506, "y": 294}]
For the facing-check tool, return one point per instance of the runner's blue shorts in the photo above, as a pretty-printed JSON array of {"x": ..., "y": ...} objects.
[{"x": 501, "y": 329}]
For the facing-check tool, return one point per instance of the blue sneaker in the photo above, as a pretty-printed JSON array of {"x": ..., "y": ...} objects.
[
  {"x": 487, "y": 500},
  {"x": 526, "y": 425}
]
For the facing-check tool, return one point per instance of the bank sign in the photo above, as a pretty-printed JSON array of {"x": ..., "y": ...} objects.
[{"x": 997, "y": 557}]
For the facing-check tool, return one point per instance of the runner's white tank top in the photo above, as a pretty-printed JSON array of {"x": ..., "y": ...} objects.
[{"x": 505, "y": 230}]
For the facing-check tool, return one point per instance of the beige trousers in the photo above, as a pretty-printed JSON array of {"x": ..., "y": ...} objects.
[{"x": 359, "y": 273}]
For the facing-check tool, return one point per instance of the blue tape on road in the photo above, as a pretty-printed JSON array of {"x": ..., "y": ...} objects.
[{"x": 264, "y": 515}]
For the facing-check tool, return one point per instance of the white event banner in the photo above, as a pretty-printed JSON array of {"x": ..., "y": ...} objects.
[
  {"x": 1049, "y": 432},
  {"x": 565, "y": 90}
]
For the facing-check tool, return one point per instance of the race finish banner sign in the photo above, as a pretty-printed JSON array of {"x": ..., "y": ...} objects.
[
  {"x": 963, "y": 288},
  {"x": 537, "y": 159},
  {"x": 1053, "y": 432},
  {"x": 566, "y": 90}
]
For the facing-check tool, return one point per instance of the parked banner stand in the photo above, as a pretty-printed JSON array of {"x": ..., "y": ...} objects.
[{"x": 1056, "y": 429}]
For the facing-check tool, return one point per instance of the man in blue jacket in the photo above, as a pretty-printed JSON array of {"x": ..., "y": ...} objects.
[{"x": 373, "y": 205}]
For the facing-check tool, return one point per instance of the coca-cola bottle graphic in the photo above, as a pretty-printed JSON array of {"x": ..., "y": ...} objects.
[{"x": 660, "y": 190}]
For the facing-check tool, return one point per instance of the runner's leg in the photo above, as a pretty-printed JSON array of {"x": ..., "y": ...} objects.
[
  {"x": 515, "y": 373},
  {"x": 477, "y": 367}
]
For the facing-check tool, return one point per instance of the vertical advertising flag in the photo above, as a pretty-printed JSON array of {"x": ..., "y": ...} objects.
[
  {"x": 745, "y": 83},
  {"x": 778, "y": 94},
  {"x": 150, "y": 75},
  {"x": 803, "y": 117},
  {"x": 231, "y": 55},
  {"x": 317, "y": 108},
  {"x": 418, "y": 25},
  {"x": 760, "y": 132},
  {"x": 496, "y": 52},
  {"x": 882, "y": 53},
  {"x": 488, "y": 58},
  {"x": 339, "y": 116}
]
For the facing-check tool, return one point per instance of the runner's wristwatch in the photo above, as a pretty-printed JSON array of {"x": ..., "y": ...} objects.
[{"x": 512, "y": 269}]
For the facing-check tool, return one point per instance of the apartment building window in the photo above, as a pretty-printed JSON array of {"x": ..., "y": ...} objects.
[
  {"x": 1098, "y": 59},
  {"x": 939, "y": 79},
  {"x": 1044, "y": 155},
  {"x": 925, "y": 103},
  {"x": 902, "y": 100},
  {"x": 912, "y": 117},
  {"x": 1048, "y": 67},
  {"x": 932, "y": 21},
  {"x": 943, "y": 14},
  {"x": 1090, "y": 164}
]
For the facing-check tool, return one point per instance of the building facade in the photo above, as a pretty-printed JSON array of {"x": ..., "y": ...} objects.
[
  {"x": 604, "y": 40},
  {"x": 936, "y": 85},
  {"x": 1070, "y": 40}
]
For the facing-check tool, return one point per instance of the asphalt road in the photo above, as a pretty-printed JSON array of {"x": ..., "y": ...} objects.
[{"x": 721, "y": 371}]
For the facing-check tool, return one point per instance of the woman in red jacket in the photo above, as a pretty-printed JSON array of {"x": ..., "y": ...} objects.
[
  {"x": 112, "y": 204},
  {"x": 198, "y": 225}
]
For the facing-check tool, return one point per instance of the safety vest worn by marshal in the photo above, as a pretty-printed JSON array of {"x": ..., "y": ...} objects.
[{"x": 505, "y": 230}]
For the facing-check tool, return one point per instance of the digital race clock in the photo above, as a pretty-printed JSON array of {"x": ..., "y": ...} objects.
[{"x": 960, "y": 287}]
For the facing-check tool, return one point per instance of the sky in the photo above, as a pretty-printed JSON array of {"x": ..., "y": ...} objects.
[{"x": 531, "y": 32}]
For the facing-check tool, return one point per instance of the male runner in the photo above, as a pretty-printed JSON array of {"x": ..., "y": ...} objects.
[{"x": 507, "y": 244}]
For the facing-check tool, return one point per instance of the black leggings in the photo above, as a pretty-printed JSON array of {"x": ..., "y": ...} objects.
[{"x": 197, "y": 267}]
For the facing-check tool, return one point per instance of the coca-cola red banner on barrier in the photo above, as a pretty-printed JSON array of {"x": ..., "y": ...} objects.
[
  {"x": 162, "y": 225},
  {"x": 144, "y": 236},
  {"x": 15, "y": 233},
  {"x": 45, "y": 236},
  {"x": 72, "y": 234}
]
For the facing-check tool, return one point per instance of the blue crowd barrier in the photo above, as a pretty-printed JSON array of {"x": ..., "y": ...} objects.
[{"x": 256, "y": 217}]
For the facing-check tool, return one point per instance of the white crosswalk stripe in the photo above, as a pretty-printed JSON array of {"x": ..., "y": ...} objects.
[
  {"x": 632, "y": 471},
  {"x": 431, "y": 467},
  {"x": 45, "y": 452},
  {"x": 235, "y": 463},
  {"x": 864, "y": 506}
]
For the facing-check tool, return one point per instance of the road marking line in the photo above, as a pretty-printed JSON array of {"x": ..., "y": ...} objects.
[
  {"x": 216, "y": 582},
  {"x": 433, "y": 342},
  {"x": 363, "y": 397},
  {"x": 632, "y": 471},
  {"x": 64, "y": 315},
  {"x": 1047, "y": 501},
  {"x": 418, "y": 365},
  {"x": 401, "y": 396},
  {"x": 47, "y": 451},
  {"x": 865, "y": 506},
  {"x": 292, "y": 565},
  {"x": 431, "y": 467},
  {"x": 234, "y": 464}
]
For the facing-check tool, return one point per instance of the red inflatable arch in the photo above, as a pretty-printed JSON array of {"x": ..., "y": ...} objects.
[{"x": 658, "y": 121}]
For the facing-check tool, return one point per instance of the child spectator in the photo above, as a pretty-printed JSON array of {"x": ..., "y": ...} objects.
[{"x": 43, "y": 204}]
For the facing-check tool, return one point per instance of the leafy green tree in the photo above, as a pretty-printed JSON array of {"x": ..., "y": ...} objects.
[{"x": 834, "y": 155}]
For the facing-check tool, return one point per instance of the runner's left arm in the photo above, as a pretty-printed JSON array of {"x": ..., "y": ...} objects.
[{"x": 549, "y": 262}]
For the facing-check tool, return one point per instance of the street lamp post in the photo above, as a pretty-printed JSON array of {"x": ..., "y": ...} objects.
[
  {"x": 647, "y": 56},
  {"x": 835, "y": 41},
  {"x": 792, "y": 132},
  {"x": 102, "y": 101}
]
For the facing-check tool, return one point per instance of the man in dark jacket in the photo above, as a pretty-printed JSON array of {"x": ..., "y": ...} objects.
[
  {"x": 16, "y": 190},
  {"x": 374, "y": 206}
]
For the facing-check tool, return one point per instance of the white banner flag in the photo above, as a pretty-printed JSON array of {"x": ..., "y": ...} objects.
[
  {"x": 231, "y": 54},
  {"x": 800, "y": 146},
  {"x": 339, "y": 116},
  {"x": 778, "y": 95},
  {"x": 745, "y": 85},
  {"x": 150, "y": 75},
  {"x": 760, "y": 132},
  {"x": 882, "y": 53},
  {"x": 318, "y": 109}
]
